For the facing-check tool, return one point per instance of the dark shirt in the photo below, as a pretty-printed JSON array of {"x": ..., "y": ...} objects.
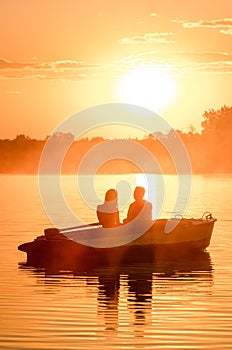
[{"x": 141, "y": 207}]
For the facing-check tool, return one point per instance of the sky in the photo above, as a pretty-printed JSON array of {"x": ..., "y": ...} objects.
[{"x": 59, "y": 57}]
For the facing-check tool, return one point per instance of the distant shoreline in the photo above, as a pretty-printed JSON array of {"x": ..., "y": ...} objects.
[{"x": 209, "y": 152}]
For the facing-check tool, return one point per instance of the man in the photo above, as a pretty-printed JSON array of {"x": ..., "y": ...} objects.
[{"x": 140, "y": 208}]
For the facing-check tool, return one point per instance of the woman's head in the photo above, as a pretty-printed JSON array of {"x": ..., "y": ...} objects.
[{"x": 111, "y": 195}]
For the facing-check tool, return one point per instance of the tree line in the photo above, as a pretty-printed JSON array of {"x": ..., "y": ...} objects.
[{"x": 209, "y": 150}]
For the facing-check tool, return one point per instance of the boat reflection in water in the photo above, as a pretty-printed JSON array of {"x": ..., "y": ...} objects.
[{"x": 134, "y": 290}]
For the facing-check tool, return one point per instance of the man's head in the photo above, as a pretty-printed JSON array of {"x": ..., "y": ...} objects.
[{"x": 139, "y": 193}]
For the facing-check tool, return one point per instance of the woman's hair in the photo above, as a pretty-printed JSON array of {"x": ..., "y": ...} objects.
[{"x": 111, "y": 195}]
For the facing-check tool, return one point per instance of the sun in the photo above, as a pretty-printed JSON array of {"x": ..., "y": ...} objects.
[{"x": 148, "y": 87}]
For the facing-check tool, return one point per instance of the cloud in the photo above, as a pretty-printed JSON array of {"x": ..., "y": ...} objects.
[
  {"x": 224, "y": 24},
  {"x": 226, "y": 31},
  {"x": 181, "y": 62},
  {"x": 14, "y": 92},
  {"x": 153, "y": 14},
  {"x": 59, "y": 69},
  {"x": 66, "y": 64},
  {"x": 148, "y": 38},
  {"x": 177, "y": 62},
  {"x": 6, "y": 64},
  {"x": 205, "y": 56}
]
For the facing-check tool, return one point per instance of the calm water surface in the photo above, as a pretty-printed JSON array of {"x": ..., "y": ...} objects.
[{"x": 172, "y": 304}]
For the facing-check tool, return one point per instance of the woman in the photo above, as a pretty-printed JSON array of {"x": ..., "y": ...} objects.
[{"x": 107, "y": 212}]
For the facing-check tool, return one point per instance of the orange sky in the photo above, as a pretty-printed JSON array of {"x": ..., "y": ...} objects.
[{"x": 58, "y": 57}]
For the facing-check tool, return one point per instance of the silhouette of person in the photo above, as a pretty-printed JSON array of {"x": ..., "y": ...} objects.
[
  {"x": 107, "y": 213},
  {"x": 140, "y": 293},
  {"x": 139, "y": 208}
]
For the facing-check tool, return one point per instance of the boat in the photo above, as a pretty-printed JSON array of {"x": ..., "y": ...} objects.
[{"x": 93, "y": 245}]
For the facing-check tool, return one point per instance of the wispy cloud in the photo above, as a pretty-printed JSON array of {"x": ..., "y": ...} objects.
[
  {"x": 226, "y": 31},
  {"x": 6, "y": 64},
  {"x": 148, "y": 38},
  {"x": 60, "y": 69},
  {"x": 66, "y": 64},
  {"x": 14, "y": 92},
  {"x": 181, "y": 62},
  {"x": 224, "y": 24},
  {"x": 176, "y": 62}
]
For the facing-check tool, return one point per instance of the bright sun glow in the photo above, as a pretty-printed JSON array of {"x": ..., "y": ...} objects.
[{"x": 148, "y": 87}]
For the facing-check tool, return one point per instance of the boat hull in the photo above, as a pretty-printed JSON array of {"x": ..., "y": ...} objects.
[{"x": 187, "y": 237}]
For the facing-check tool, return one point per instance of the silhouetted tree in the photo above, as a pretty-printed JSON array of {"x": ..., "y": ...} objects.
[
  {"x": 210, "y": 150},
  {"x": 216, "y": 139}
]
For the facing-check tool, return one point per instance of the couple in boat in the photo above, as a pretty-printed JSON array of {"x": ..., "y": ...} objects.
[{"x": 140, "y": 209}]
